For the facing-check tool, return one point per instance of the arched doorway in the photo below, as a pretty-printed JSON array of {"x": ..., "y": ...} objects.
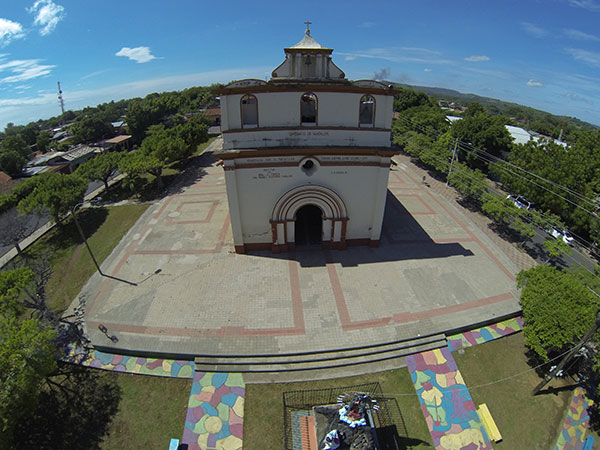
[{"x": 309, "y": 226}]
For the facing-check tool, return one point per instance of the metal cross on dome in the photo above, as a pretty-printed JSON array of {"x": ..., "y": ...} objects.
[{"x": 308, "y": 23}]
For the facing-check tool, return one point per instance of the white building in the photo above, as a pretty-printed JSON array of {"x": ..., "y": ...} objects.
[{"x": 306, "y": 155}]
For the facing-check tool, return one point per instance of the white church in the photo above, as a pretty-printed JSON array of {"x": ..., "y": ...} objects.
[{"x": 306, "y": 155}]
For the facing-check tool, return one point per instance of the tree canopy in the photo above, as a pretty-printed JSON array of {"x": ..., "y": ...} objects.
[
  {"x": 100, "y": 168},
  {"x": 27, "y": 356},
  {"x": 558, "y": 310},
  {"x": 55, "y": 192}
]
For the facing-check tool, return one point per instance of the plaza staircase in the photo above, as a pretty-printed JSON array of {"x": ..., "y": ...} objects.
[{"x": 320, "y": 364}]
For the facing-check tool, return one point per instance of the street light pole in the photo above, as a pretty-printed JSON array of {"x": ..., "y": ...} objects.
[{"x": 83, "y": 237}]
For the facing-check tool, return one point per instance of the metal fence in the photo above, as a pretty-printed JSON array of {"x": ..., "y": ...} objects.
[{"x": 388, "y": 420}]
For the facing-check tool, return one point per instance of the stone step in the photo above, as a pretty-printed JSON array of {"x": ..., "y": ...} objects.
[{"x": 328, "y": 360}]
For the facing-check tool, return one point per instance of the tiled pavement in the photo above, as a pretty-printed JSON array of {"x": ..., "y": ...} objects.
[
  {"x": 485, "y": 334},
  {"x": 215, "y": 416},
  {"x": 575, "y": 425},
  {"x": 446, "y": 403},
  {"x": 131, "y": 364},
  {"x": 434, "y": 271},
  {"x": 215, "y": 413}
]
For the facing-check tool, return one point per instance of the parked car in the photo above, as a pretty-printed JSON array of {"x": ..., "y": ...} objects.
[
  {"x": 561, "y": 234},
  {"x": 520, "y": 202}
]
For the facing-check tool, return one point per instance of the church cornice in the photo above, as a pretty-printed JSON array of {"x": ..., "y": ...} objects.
[
  {"x": 304, "y": 151},
  {"x": 283, "y": 85},
  {"x": 301, "y": 128}
]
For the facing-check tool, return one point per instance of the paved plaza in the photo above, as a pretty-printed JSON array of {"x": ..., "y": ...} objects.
[{"x": 434, "y": 271}]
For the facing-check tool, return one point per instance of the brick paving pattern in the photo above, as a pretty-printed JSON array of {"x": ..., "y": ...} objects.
[{"x": 434, "y": 271}]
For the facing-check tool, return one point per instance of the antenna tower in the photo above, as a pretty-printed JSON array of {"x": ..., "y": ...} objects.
[{"x": 60, "y": 99}]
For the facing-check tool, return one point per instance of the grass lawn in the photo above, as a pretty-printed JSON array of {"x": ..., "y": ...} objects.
[
  {"x": 525, "y": 422},
  {"x": 263, "y": 412},
  {"x": 73, "y": 265},
  {"x": 151, "y": 411}
]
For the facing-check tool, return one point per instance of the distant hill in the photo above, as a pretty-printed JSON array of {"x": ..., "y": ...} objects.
[{"x": 495, "y": 106}]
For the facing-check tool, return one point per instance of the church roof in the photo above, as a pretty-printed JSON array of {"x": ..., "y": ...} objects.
[{"x": 308, "y": 42}]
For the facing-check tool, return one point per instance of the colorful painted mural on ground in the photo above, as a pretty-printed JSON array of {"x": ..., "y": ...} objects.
[
  {"x": 485, "y": 334},
  {"x": 215, "y": 412},
  {"x": 130, "y": 364},
  {"x": 572, "y": 435},
  {"x": 446, "y": 402}
]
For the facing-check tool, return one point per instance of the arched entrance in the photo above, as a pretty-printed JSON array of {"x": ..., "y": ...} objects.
[
  {"x": 318, "y": 211},
  {"x": 309, "y": 226}
]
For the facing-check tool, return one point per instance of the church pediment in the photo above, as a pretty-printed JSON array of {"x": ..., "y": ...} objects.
[{"x": 308, "y": 60}]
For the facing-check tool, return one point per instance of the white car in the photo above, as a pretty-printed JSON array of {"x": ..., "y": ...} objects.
[
  {"x": 561, "y": 234},
  {"x": 520, "y": 201}
]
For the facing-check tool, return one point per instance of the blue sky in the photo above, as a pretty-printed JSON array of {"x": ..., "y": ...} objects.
[{"x": 544, "y": 54}]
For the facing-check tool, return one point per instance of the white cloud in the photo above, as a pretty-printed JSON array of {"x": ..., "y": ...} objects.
[
  {"x": 477, "y": 58},
  {"x": 534, "y": 30},
  {"x": 427, "y": 70},
  {"x": 350, "y": 58},
  {"x": 590, "y": 5},
  {"x": 9, "y": 30},
  {"x": 23, "y": 70},
  {"x": 399, "y": 54},
  {"x": 48, "y": 14},
  {"x": 137, "y": 54},
  {"x": 579, "y": 54},
  {"x": 367, "y": 25},
  {"x": 580, "y": 35},
  {"x": 578, "y": 98},
  {"x": 534, "y": 83}
]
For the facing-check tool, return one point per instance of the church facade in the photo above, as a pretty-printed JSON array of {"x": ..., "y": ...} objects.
[{"x": 306, "y": 155}]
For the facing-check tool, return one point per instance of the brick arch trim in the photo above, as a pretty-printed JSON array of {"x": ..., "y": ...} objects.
[{"x": 327, "y": 200}]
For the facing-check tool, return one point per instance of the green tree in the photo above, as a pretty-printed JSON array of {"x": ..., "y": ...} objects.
[
  {"x": 54, "y": 192},
  {"x": 483, "y": 132},
  {"x": 408, "y": 98},
  {"x": 91, "y": 129},
  {"x": 556, "y": 248},
  {"x": 16, "y": 143},
  {"x": 27, "y": 357},
  {"x": 558, "y": 309},
  {"x": 137, "y": 163},
  {"x": 471, "y": 184},
  {"x": 12, "y": 163},
  {"x": 100, "y": 168},
  {"x": 12, "y": 284},
  {"x": 43, "y": 141}
]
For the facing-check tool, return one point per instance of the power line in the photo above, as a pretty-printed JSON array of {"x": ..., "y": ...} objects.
[{"x": 489, "y": 158}]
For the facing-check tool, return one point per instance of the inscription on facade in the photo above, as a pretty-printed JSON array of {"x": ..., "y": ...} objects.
[
  {"x": 270, "y": 173},
  {"x": 308, "y": 133}
]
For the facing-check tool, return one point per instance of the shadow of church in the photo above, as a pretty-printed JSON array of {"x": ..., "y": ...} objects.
[{"x": 402, "y": 239}]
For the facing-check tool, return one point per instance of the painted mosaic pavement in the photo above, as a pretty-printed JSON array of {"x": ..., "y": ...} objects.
[
  {"x": 131, "y": 364},
  {"x": 215, "y": 412},
  {"x": 485, "y": 334},
  {"x": 446, "y": 403},
  {"x": 572, "y": 435}
]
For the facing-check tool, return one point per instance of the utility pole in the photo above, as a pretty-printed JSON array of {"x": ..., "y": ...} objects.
[
  {"x": 452, "y": 161},
  {"x": 82, "y": 234},
  {"x": 570, "y": 354},
  {"x": 60, "y": 99}
]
